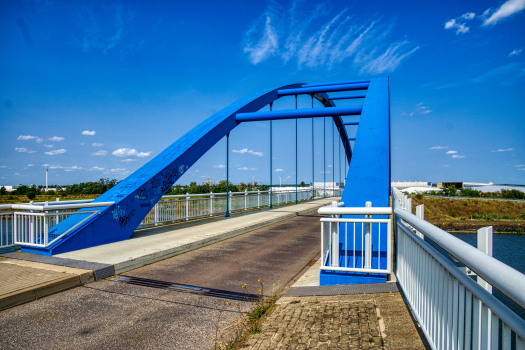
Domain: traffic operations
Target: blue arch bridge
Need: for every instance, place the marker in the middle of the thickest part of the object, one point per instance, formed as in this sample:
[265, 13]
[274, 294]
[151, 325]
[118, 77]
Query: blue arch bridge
[364, 238]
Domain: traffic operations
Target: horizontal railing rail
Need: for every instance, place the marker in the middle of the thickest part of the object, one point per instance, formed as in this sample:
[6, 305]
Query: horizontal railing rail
[452, 309]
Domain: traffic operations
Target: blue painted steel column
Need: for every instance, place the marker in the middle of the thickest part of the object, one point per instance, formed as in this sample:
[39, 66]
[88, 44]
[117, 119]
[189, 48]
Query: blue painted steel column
[227, 175]
[333, 159]
[324, 157]
[339, 163]
[313, 174]
[271, 158]
[296, 152]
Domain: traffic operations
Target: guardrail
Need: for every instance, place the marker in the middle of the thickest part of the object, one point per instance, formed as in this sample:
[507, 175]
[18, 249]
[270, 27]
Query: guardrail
[39, 223]
[349, 248]
[452, 309]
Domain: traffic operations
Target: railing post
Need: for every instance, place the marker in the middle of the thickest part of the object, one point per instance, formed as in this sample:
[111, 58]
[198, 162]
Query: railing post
[245, 198]
[368, 240]
[46, 224]
[211, 203]
[420, 213]
[156, 214]
[485, 245]
[258, 198]
[334, 231]
[187, 206]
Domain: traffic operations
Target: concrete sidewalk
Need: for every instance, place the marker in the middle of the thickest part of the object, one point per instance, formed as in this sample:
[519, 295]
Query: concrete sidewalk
[147, 246]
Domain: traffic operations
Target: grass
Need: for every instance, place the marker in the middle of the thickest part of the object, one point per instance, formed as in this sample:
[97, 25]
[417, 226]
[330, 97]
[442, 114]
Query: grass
[10, 199]
[469, 209]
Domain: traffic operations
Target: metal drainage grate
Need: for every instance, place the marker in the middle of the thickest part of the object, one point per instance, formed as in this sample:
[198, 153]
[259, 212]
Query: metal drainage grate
[216, 293]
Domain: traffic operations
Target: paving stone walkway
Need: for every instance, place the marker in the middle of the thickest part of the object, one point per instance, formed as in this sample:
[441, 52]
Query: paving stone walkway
[338, 322]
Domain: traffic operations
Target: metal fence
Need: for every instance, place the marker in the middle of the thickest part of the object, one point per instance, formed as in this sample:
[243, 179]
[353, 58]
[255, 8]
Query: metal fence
[180, 207]
[453, 310]
[347, 243]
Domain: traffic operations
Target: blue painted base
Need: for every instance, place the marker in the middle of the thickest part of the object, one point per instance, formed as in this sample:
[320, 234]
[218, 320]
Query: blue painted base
[334, 278]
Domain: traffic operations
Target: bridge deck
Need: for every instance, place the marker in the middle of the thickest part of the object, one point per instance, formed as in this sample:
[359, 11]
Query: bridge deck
[154, 244]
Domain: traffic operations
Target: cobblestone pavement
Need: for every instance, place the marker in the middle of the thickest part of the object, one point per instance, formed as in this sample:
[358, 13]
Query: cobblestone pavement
[338, 322]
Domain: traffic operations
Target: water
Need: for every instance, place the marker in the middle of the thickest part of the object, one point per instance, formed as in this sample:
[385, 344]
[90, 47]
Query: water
[507, 248]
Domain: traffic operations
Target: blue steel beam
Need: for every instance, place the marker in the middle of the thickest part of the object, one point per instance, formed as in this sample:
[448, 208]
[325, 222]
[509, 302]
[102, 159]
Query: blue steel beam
[351, 139]
[338, 83]
[298, 113]
[351, 123]
[347, 97]
[316, 89]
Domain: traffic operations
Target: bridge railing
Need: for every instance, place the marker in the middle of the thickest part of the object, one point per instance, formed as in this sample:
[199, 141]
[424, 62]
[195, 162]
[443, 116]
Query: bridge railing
[453, 310]
[180, 207]
[347, 243]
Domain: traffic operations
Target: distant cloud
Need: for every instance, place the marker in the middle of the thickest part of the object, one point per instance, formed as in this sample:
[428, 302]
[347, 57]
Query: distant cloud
[245, 150]
[220, 166]
[457, 156]
[96, 168]
[507, 71]
[88, 133]
[128, 160]
[515, 52]
[97, 144]
[292, 34]
[504, 150]
[509, 8]
[461, 27]
[100, 153]
[27, 137]
[130, 152]
[65, 168]
[56, 138]
[49, 146]
[452, 152]
[245, 168]
[517, 166]
[279, 170]
[24, 150]
[3, 166]
[522, 169]
[444, 166]
[55, 152]
[422, 109]
[439, 147]
[30, 165]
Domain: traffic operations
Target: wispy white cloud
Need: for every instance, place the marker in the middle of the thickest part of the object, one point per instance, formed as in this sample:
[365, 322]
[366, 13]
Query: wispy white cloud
[295, 34]
[55, 152]
[279, 170]
[130, 152]
[96, 168]
[65, 168]
[220, 166]
[452, 152]
[522, 169]
[455, 23]
[245, 168]
[507, 9]
[49, 146]
[245, 150]
[56, 138]
[27, 137]
[515, 52]
[439, 147]
[508, 71]
[3, 166]
[457, 156]
[39, 140]
[504, 150]
[30, 165]
[97, 144]
[128, 160]
[100, 153]
[519, 166]
[88, 133]
[24, 150]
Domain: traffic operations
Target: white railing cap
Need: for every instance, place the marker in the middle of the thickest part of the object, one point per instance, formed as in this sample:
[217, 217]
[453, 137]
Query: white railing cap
[58, 207]
[355, 211]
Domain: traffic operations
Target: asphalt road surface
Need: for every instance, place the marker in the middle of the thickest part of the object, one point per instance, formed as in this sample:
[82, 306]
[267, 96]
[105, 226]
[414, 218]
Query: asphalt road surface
[109, 314]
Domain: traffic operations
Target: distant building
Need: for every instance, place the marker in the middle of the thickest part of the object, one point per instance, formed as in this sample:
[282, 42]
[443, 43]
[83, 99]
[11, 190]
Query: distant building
[462, 184]
[10, 188]
[336, 185]
[406, 184]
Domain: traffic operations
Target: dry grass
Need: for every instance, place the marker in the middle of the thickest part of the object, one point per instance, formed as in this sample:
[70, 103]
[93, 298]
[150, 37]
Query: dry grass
[462, 209]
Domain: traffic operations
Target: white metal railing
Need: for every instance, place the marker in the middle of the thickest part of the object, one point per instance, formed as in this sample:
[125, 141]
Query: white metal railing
[453, 310]
[329, 192]
[180, 207]
[347, 243]
[6, 230]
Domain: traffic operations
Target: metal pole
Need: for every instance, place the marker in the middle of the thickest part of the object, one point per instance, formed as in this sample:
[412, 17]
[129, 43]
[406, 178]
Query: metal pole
[324, 157]
[313, 175]
[227, 176]
[295, 152]
[333, 160]
[340, 165]
[271, 159]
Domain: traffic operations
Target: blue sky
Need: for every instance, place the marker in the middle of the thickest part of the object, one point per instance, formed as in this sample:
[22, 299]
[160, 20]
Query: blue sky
[97, 89]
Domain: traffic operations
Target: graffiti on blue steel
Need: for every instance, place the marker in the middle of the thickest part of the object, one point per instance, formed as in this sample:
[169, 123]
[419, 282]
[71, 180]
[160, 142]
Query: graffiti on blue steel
[126, 189]
[162, 183]
[142, 194]
[123, 216]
